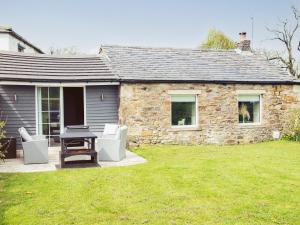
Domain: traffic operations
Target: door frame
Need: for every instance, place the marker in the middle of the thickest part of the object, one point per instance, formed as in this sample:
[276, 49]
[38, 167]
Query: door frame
[61, 105]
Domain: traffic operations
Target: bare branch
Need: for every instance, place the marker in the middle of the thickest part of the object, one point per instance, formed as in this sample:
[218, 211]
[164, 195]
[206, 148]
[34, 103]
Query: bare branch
[296, 14]
[285, 34]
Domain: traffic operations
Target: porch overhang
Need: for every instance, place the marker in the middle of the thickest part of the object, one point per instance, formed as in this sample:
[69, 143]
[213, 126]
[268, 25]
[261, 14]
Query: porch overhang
[59, 84]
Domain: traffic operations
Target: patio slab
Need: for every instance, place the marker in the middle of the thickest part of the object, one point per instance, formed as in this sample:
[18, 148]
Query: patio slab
[17, 165]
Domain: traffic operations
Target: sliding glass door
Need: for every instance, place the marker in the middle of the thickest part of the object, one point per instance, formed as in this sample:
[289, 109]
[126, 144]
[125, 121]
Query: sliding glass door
[49, 113]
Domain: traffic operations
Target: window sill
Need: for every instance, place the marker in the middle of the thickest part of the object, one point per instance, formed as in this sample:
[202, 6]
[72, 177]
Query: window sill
[184, 128]
[247, 125]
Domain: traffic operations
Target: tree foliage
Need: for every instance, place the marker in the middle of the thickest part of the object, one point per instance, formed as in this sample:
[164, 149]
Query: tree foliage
[292, 129]
[218, 40]
[2, 135]
[285, 33]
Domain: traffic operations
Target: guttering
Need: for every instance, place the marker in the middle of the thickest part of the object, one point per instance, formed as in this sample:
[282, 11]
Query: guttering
[290, 82]
[118, 81]
[60, 84]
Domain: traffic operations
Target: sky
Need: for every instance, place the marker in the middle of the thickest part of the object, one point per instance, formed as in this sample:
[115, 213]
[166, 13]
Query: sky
[86, 24]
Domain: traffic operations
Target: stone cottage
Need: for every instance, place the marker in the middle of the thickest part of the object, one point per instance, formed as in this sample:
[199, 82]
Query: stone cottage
[200, 96]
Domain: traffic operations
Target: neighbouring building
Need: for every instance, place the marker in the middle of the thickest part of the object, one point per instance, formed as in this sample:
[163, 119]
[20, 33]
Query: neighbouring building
[12, 41]
[163, 95]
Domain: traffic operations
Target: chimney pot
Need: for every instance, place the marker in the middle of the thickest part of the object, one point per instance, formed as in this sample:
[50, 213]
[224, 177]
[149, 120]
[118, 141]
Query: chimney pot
[244, 44]
[243, 36]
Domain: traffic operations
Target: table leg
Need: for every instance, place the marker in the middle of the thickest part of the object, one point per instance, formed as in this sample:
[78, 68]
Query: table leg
[93, 144]
[61, 157]
[94, 158]
[61, 144]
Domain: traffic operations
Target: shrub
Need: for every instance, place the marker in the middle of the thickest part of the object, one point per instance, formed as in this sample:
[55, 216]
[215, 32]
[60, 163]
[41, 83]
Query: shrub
[292, 130]
[2, 135]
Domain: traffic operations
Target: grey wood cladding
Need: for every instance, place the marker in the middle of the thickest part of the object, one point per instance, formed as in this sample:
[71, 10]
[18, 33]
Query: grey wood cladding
[101, 110]
[19, 113]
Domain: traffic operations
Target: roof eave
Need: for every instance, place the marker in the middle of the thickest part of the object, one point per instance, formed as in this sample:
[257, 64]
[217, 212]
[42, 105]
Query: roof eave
[209, 81]
[61, 80]
[153, 81]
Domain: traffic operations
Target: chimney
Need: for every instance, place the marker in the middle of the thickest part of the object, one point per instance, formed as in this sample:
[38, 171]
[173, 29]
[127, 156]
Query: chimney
[244, 44]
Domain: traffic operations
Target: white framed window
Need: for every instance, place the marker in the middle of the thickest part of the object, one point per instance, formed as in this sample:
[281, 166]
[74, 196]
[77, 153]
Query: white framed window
[183, 110]
[249, 107]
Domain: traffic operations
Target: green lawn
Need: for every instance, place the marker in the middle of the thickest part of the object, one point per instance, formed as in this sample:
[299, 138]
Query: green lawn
[245, 184]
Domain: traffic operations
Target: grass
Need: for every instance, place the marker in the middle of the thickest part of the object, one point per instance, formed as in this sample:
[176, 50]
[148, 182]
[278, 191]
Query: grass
[245, 184]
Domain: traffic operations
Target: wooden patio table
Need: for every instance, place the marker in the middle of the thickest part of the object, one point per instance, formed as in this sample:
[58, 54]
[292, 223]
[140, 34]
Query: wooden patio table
[69, 139]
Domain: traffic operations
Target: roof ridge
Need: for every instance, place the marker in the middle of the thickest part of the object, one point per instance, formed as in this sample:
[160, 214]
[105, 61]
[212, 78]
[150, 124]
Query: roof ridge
[3, 52]
[166, 48]
[106, 59]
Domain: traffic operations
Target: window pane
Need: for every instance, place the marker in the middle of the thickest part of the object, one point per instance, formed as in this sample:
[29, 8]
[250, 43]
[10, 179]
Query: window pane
[54, 92]
[45, 128]
[54, 105]
[256, 112]
[45, 117]
[54, 129]
[44, 92]
[183, 113]
[45, 105]
[249, 112]
[54, 117]
[248, 98]
[183, 98]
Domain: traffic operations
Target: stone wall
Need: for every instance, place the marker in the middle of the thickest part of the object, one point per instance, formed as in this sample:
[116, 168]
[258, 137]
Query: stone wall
[146, 110]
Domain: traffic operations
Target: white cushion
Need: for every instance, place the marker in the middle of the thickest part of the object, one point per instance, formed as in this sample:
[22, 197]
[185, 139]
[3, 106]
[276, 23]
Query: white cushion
[24, 134]
[109, 136]
[110, 129]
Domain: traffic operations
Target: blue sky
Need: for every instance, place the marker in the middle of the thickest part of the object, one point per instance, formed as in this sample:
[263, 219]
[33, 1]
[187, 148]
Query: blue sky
[87, 24]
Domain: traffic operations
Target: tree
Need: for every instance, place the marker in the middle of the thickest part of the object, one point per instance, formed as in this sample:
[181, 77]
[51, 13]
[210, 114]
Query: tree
[72, 50]
[218, 40]
[285, 34]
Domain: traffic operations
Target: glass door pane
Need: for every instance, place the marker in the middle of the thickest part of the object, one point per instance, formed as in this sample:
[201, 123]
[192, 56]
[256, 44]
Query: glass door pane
[49, 113]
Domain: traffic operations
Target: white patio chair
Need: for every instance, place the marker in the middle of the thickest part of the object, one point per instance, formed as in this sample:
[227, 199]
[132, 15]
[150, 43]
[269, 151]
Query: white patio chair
[35, 148]
[110, 130]
[113, 147]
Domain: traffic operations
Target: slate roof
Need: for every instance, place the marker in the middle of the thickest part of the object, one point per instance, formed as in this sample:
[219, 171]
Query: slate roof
[139, 64]
[9, 30]
[40, 67]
